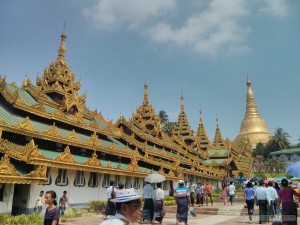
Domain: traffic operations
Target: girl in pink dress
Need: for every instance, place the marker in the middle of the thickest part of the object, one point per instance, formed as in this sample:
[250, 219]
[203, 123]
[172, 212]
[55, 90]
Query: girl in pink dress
[224, 192]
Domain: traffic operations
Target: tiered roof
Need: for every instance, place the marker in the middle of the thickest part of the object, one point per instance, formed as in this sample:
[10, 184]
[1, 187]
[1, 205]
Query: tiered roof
[182, 129]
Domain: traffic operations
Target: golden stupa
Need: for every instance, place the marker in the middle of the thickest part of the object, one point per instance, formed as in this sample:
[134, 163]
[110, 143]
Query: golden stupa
[253, 126]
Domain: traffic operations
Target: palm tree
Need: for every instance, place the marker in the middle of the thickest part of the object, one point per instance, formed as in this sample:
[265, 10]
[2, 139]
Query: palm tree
[164, 118]
[280, 139]
[168, 127]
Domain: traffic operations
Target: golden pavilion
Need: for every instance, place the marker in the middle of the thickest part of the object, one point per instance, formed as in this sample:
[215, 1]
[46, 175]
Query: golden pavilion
[50, 140]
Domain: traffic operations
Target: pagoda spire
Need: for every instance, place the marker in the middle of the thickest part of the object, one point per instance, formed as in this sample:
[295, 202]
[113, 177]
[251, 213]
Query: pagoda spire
[182, 129]
[253, 126]
[201, 136]
[145, 102]
[62, 46]
[181, 103]
[218, 141]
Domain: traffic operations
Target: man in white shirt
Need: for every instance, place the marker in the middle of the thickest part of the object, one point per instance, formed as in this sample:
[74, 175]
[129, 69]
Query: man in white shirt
[40, 202]
[110, 206]
[273, 198]
[262, 200]
[231, 190]
[128, 205]
[149, 196]
[192, 190]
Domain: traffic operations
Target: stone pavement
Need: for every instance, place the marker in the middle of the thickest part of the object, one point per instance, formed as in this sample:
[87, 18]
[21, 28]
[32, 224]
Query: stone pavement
[226, 215]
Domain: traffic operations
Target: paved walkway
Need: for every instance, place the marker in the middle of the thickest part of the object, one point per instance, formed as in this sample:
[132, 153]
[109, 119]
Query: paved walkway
[227, 215]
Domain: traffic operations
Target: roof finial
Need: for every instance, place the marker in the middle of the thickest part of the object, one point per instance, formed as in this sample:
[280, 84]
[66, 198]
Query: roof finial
[248, 82]
[217, 121]
[62, 47]
[182, 102]
[145, 102]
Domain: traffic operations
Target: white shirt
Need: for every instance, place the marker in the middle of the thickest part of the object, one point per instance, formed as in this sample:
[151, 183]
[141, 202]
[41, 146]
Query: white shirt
[262, 194]
[148, 191]
[272, 193]
[40, 200]
[231, 189]
[109, 191]
[117, 219]
[159, 195]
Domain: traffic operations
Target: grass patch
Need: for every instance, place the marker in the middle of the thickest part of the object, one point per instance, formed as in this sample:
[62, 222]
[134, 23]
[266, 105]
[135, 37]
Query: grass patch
[32, 219]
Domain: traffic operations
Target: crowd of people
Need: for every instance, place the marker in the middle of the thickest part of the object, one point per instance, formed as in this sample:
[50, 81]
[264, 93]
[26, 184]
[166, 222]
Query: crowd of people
[124, 206]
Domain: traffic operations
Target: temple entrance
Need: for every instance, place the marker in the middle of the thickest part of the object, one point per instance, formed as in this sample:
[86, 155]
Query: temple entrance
[20, 199]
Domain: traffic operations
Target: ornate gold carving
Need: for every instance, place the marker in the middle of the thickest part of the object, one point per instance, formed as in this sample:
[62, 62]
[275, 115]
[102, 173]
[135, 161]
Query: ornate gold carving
[93, 140]
[26, 125]
[58, 113]
[78, 118]
[113, 146]
[33, 151]
[6, 168]
[41, 171]
[73, 136]
[39, 107]
[109, 165]
[94, 161]
[52, 131]
[66, 156]
[133, 166]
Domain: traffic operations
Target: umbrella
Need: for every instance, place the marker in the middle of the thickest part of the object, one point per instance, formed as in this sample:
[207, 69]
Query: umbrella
[155, 178]
[293, 169]
[255, 179]
[241, 179]
[295, 178]
[266, 181]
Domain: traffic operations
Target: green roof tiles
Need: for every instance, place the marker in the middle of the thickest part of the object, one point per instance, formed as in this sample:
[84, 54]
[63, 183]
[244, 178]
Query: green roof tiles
[26, 97]
[100, 123]
[49, 109]
[49, 154]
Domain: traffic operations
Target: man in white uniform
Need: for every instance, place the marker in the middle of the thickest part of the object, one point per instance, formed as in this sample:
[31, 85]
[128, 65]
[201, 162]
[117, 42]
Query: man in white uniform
[231, 190]
[128, 205]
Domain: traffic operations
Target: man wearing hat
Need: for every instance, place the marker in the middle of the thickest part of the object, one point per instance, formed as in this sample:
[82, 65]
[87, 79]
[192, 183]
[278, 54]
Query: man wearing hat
[128, 206]
[262, 200]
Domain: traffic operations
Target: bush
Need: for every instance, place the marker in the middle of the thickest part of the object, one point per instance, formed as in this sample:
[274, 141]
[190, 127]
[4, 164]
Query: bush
[170, 202]
[33, 219]
[72, 213]
[97, 205]
[166, 198]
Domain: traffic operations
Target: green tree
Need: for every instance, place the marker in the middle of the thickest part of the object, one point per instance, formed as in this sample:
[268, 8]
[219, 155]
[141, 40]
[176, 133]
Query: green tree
[275, 165]
[168, 127]
[280, 139]
[164, 118]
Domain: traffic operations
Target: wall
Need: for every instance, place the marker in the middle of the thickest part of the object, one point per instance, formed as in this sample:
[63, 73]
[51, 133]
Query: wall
[6, 204]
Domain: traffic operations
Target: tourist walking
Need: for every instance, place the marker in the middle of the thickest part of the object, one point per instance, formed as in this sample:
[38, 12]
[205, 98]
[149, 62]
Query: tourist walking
[110, 206]
[231, 191]
[63, 200]
[192, 190]
[208, 193]
[249, 199]
[39, 203]
[199, 194]
[159, 211]
[273, 198]
[224, 192]
[52, 212]
[262, 200]
[128, 208]
[182, 198]
[148, 209]
[285, 198]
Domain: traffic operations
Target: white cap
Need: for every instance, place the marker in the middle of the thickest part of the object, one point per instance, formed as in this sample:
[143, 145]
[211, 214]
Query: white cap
[126, 195]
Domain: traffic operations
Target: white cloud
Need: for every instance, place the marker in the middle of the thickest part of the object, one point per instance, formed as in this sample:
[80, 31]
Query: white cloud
[208, 27]
[112, 14]
[208, 31]
[275, 7]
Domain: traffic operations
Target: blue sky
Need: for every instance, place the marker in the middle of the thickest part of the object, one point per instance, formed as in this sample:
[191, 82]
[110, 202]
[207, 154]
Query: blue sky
[204, 48]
